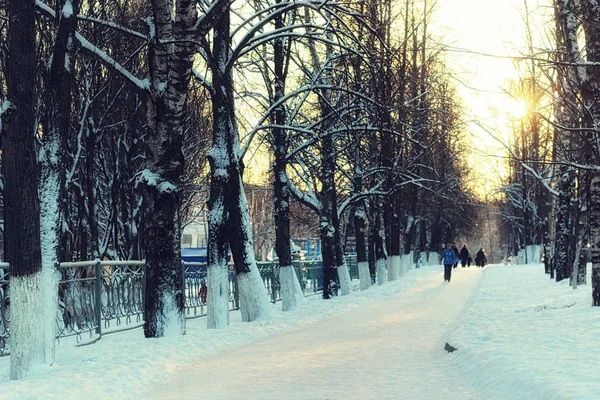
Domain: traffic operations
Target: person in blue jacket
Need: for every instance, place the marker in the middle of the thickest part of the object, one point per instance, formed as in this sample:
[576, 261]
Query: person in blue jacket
[448, 258]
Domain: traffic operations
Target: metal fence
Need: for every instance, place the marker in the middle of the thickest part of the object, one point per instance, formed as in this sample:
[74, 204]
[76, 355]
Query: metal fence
[99, 297]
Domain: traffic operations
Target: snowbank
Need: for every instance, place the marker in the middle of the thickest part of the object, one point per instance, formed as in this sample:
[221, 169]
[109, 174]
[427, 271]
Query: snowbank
[527, 337]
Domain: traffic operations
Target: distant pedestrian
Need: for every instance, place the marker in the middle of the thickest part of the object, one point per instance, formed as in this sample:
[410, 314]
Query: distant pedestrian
[469, 261]
[456, 252]
[448, 258]
[480, 259]
[203, 292]
[464, 255]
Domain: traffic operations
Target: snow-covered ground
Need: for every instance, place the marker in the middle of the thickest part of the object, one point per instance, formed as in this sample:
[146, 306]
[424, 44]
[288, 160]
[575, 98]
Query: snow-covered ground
[124, 365]
[392, 349]
[514, 338]
[526, 337]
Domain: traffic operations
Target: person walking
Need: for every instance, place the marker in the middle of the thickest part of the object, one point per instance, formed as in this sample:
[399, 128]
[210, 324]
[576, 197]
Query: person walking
[456, 253]
[448, 258]
[464, 255]
[480, 259]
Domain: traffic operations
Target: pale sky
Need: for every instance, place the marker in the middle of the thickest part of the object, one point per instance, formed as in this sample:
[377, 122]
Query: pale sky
[492, 27]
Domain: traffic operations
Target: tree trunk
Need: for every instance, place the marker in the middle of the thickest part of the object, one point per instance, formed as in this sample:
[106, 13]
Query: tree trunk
[170, 70]
[328, 229]
[291, 292]
[590, 12]
[361, 249]
[341, 266]
[52, 180]
[566, 28]
[380, 256]
[229, 216]
[21, 206]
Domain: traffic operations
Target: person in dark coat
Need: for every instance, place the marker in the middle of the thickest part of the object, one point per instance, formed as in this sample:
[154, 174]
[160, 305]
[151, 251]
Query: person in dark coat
[480, 259]
[456, 253]
[448, 258]
[464, 255]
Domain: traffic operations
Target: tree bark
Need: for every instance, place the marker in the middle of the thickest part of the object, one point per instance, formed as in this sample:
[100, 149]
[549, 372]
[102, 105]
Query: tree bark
[229, 216]
[590, 12]
[21, 202]
[53, 167]
[291, 292]
[170, 70]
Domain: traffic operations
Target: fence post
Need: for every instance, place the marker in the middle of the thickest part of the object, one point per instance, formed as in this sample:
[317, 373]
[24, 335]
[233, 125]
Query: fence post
[98, 281]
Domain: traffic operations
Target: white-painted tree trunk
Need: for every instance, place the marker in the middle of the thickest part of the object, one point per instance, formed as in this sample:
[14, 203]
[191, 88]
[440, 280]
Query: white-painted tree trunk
[381, 271]
[254, 303]
[345, 280]
[49, 242]
[396, 266]
[405, 262]
[392, 272]
[217, 307]
[298, 290]
[364, 275]
[424, 259]
[173, 321]
[289, 295]
[27, 333]
[50, 292]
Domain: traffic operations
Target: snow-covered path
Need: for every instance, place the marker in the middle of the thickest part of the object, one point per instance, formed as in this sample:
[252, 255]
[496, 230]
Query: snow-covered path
[393, 349]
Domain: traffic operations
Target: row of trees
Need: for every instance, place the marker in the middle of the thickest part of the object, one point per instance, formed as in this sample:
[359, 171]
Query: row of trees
[125, 115]
[553, 193]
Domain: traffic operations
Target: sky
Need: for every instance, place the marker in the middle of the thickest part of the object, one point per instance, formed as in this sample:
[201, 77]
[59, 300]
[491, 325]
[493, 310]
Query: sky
[491, 27]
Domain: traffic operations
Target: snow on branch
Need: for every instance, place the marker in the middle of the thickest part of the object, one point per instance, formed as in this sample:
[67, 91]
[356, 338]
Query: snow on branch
[6, 105]
[305, 198]
[141, 85]
[211, 16]
[203, 81]
[153, 179]
[113, 26]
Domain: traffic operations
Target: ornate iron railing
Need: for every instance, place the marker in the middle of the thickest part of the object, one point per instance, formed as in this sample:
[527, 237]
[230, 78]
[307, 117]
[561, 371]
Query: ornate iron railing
[96, 297]
[196, 290]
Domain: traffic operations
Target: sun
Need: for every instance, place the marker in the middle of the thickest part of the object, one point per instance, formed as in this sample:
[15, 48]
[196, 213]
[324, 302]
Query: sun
[516, 108]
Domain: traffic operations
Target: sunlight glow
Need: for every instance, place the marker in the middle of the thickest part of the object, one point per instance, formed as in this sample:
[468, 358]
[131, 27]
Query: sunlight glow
[517, 108]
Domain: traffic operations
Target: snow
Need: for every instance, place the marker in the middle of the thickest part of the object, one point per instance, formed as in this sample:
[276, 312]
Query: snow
[67, 10]
[124, 365]
[154, 179]
[348, 355]
[529, 337]
[4, 107]
[518, 334]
